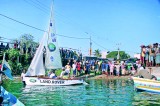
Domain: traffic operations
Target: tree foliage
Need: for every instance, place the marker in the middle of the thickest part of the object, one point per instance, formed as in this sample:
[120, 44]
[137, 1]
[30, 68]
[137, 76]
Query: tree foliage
[12, 55]
[27, 39]
[18, 60]
[114, 54]
[97, 53]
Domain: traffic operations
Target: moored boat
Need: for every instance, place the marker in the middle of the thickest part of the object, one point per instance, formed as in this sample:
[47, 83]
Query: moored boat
[146, 84]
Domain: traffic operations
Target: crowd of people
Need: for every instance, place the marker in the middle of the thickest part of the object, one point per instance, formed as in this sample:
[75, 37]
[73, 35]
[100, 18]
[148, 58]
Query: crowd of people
[150, 55]
[66, 54]
[69, 54]
[109, 68]
[4, 47]
[72, 61]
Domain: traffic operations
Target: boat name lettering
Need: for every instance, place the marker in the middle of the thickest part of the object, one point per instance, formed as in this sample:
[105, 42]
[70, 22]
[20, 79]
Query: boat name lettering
[53, 82]
[58, 82]
[45, 81]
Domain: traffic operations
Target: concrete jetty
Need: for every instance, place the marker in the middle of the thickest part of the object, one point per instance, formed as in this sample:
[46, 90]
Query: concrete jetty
[154, 71]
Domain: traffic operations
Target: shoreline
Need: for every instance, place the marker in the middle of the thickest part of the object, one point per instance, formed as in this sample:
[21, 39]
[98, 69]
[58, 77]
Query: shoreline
[103, 76]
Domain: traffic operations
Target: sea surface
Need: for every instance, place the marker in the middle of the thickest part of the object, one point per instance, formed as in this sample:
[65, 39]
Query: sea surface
[96, 93]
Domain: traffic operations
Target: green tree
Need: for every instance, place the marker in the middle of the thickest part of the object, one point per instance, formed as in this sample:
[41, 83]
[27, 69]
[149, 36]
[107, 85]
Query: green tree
[13, 60]
[16, 59]
[97, 53]
[114, 54]
[27, 39]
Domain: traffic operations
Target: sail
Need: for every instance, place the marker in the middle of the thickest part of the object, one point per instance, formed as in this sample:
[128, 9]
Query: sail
[37, 66]
[53, 59]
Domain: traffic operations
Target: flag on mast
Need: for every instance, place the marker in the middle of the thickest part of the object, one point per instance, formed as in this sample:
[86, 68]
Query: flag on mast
[6, 68]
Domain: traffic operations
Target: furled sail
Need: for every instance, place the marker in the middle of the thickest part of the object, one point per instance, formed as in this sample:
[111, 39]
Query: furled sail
[53, 59]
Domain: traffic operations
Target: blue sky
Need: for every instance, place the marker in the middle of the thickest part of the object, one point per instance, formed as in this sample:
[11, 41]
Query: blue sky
[129, 23]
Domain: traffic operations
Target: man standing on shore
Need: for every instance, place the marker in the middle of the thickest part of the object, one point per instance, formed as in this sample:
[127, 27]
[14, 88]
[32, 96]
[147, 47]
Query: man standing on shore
[22, 76]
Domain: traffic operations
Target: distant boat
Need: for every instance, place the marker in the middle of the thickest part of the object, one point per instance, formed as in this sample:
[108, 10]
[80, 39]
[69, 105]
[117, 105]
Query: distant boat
[38, 66]
[146, 85]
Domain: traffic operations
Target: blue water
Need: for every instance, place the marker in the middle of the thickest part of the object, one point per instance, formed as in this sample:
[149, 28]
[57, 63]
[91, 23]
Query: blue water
[97, 93]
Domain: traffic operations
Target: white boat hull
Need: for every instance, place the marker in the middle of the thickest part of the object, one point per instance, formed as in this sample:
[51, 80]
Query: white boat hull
[52, 82]
[146, 84]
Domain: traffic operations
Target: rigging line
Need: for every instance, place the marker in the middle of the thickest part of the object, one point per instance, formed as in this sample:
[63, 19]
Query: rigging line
[5, 38]
[45, 11]
[38, 5]
[56, 12]
[42, 5]
[23, 23]
[110, 49]
[38, 28]
[98, 45]
[10, 28]
[47, 8]
[71, 37]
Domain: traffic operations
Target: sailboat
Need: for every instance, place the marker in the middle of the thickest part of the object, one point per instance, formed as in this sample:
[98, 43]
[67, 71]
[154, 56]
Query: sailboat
[52, 60]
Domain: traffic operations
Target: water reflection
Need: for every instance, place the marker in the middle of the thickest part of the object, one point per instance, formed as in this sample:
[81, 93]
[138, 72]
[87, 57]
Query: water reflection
[98, 92]
[146, 99]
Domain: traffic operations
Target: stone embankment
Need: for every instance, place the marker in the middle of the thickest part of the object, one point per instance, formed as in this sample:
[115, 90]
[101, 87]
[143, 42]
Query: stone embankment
[154, 71]
[103, 76]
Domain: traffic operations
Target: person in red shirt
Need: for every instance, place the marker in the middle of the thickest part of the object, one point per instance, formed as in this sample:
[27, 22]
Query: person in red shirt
[78, 66]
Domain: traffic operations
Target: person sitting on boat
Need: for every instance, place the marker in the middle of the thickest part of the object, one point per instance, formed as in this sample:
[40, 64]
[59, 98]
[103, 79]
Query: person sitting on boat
[49, 73]
[64, 73]
[143, 73]
[52, 75]
[67, 69]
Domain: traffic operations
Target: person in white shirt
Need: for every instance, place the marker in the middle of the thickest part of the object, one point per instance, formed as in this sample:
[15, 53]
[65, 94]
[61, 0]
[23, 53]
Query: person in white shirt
[22, 76]
[65, 72]
[117, 69]
[52, 75]
[74, 69]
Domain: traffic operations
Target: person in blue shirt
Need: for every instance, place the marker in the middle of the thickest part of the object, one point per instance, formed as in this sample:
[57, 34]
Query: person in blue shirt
[53, 75]
[107, 66]
[88, 67]
[103, 66]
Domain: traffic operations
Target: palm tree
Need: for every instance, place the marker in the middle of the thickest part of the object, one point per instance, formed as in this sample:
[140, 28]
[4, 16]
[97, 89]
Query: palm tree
[97, 53]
